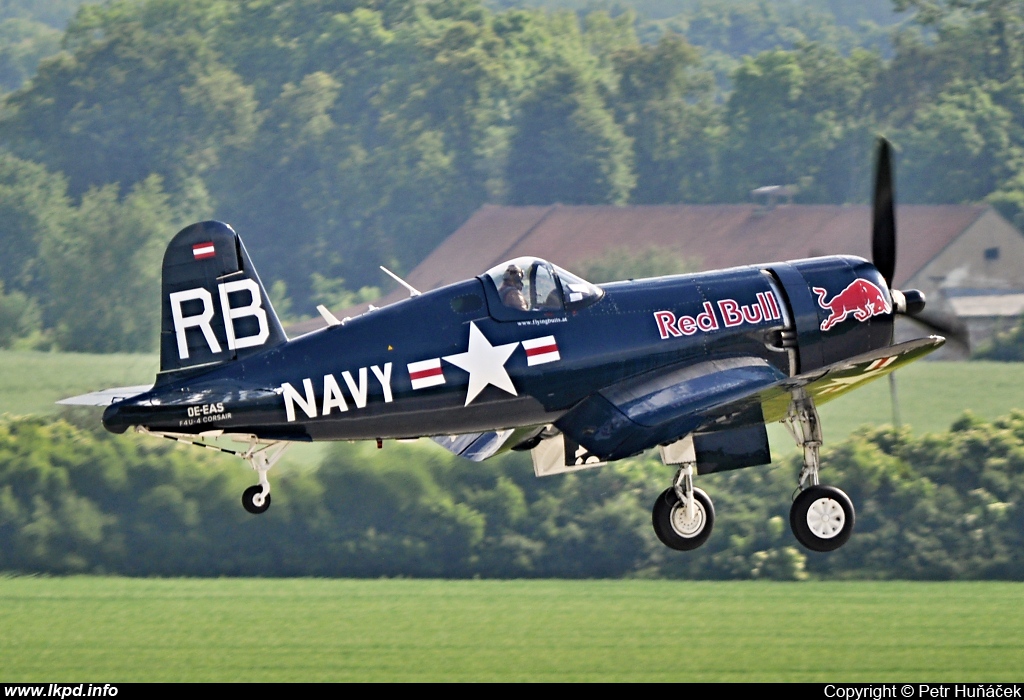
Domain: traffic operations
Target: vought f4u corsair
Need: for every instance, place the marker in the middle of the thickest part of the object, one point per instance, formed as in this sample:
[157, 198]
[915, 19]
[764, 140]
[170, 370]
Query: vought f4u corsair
[530, 357]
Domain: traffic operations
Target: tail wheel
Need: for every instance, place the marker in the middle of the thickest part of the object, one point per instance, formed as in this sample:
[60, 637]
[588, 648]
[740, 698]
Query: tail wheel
[822, 518]
[675, 527]
[251, 496]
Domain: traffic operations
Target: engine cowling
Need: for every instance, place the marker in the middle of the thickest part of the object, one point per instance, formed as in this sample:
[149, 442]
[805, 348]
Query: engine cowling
[841, 306]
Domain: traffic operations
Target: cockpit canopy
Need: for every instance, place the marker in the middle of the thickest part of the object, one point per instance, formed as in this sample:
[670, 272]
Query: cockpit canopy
[533, 285]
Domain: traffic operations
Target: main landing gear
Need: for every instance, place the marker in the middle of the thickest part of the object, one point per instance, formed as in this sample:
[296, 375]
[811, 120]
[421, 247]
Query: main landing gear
[821, 517]
[683, 516]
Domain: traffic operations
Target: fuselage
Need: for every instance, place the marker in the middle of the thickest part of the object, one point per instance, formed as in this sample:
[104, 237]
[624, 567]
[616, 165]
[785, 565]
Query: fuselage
[459, 360]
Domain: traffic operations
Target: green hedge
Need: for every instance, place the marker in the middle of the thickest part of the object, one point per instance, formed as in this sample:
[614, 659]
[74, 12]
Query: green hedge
[76, 499]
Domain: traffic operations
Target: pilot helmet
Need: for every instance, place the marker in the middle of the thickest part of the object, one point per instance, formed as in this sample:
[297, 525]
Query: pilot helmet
[513, 274]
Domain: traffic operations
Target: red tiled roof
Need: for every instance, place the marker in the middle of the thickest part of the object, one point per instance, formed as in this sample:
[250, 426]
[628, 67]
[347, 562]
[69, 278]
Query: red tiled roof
[483, 241]
[713, 236]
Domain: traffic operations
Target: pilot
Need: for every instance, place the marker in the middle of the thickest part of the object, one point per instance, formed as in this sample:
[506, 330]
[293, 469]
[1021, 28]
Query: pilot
[511, 290]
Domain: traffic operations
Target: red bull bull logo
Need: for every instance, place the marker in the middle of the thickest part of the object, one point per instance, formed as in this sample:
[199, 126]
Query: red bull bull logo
[861, 298]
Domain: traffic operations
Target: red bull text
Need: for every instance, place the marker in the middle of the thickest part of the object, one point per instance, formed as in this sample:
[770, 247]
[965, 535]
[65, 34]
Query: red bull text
[732, 313]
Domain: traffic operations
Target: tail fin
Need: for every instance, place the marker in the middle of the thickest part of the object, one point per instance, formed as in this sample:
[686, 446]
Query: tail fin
[214, 306]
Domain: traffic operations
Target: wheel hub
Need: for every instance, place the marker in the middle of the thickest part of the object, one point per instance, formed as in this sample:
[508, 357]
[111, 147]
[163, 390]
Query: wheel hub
[826, 518]
[688, 527]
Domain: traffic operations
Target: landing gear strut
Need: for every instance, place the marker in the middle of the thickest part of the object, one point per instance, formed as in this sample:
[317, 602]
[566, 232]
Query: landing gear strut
[256, 499]
[821, 517]
[683, 516]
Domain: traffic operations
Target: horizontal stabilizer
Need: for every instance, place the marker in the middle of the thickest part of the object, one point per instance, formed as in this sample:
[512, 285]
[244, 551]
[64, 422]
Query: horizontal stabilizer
[106, 396]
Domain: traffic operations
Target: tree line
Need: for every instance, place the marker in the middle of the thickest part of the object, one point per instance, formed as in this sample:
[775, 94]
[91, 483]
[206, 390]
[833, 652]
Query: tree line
[336, 135]
[74, 499]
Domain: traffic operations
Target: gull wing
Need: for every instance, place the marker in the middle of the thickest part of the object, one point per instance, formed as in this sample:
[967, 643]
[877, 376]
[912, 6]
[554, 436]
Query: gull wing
[716, 395]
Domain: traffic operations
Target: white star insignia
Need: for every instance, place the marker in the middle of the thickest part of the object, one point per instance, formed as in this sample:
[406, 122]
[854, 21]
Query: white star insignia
[485, 364]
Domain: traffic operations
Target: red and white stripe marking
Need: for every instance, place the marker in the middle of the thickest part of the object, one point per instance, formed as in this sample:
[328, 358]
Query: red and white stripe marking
[540, 351]
[202, 251]
[881, 363]
[426, 373]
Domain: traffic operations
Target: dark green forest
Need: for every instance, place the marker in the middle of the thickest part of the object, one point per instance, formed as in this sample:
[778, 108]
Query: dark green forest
[78, 500]
[336, 135]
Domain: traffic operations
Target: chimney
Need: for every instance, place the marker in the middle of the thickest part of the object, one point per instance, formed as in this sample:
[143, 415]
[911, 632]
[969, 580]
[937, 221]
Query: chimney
[768, 196]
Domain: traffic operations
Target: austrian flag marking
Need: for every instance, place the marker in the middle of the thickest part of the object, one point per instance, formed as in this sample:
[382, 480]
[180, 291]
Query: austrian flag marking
[426, 373]
[540, 351]
[202, 251]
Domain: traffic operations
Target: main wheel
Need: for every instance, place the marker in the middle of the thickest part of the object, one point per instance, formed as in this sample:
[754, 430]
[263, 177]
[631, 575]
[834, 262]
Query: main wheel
[248, 500]
[672, 526]
[822, 518]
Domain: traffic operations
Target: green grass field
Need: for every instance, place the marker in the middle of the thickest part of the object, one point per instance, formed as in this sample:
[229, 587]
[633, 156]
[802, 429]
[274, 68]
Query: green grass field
[111, 630]
[30, 382]
[931, 396]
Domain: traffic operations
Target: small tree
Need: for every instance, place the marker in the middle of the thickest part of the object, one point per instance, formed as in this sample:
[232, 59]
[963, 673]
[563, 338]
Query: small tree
[1004, 347]
[103, 272]
[626, 263]
[567, 147]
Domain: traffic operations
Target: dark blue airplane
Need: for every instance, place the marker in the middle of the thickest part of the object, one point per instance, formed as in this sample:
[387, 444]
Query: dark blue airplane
[530, 357]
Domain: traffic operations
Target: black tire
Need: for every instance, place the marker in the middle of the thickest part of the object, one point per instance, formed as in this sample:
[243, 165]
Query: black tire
[669, 526]
[248, 504]
[822, 518]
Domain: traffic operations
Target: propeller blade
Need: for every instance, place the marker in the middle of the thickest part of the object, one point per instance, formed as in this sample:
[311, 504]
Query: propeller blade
[947, 325]
[883, 232]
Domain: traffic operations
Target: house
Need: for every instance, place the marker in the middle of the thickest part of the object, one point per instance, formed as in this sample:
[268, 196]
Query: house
[967, 259]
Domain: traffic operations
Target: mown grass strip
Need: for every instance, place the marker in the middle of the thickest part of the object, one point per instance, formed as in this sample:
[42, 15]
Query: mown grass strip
[111, 629]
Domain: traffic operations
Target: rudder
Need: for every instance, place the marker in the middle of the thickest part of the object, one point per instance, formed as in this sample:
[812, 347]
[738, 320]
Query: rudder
[214, 307]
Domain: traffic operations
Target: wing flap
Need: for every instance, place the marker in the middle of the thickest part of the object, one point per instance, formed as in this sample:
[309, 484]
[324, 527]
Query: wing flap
[475, 446]
[560, 455]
